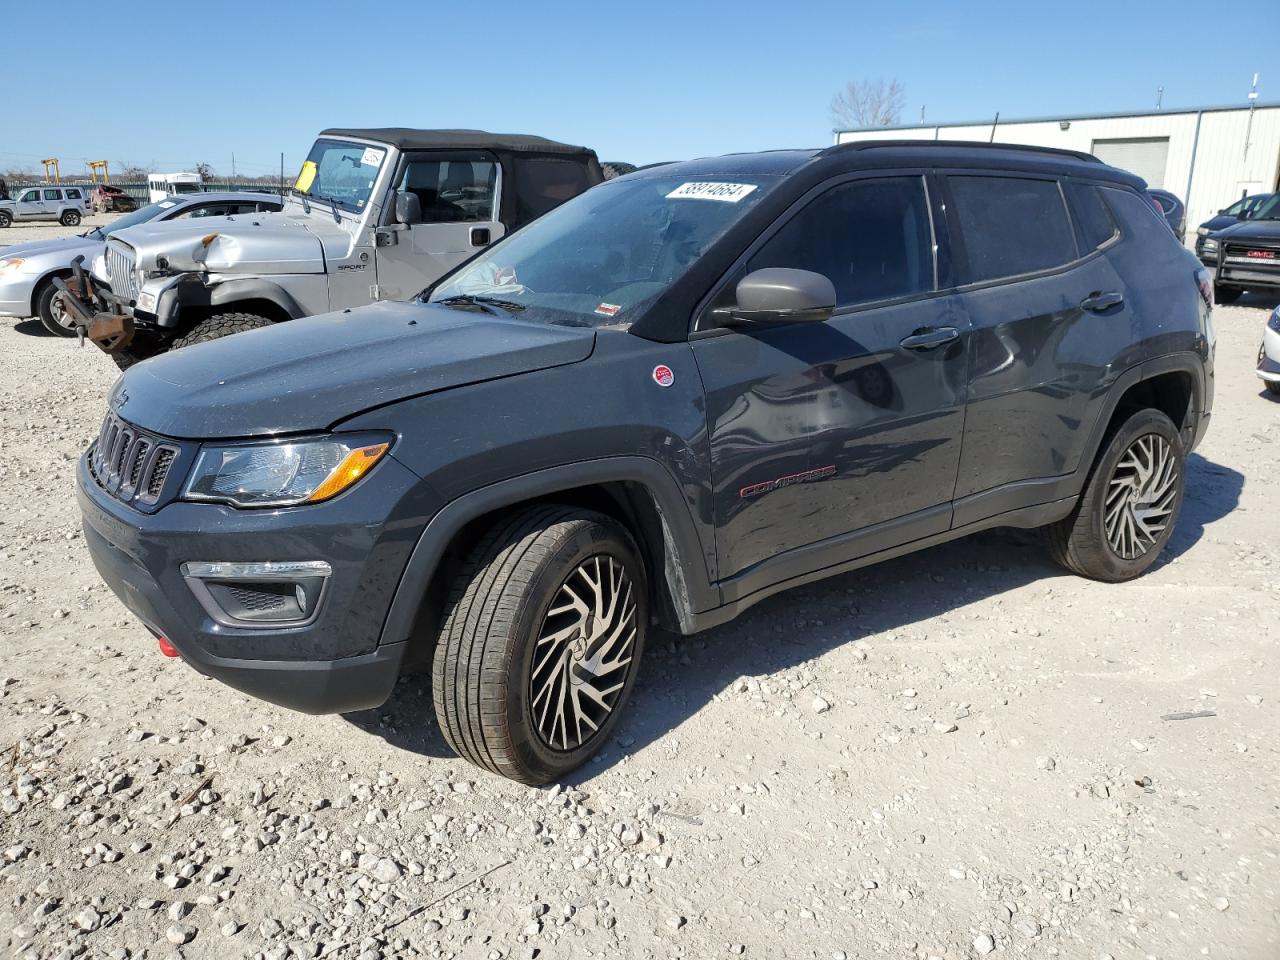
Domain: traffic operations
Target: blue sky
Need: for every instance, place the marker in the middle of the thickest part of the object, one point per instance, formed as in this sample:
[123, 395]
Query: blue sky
[639, 81]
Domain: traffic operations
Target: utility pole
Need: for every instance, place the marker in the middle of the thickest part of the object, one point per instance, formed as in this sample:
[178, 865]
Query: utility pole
[922, 114]
[1159, 98]
[233, 165]
[282, 173]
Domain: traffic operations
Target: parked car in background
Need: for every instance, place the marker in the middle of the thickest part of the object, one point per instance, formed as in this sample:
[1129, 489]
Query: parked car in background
[373, 215]
[1248, 254]
[109, 199]
[672, 397]
[1242, 209]
[65, 204]
[27, 270]
[1269, 354]
[1173, 210]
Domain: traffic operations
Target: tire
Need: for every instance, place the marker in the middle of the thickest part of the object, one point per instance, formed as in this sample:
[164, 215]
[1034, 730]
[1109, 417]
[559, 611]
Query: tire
[6, 219]
[616, 168]
[1273, 387]
[1080, 541]
[70, 218]
[513, 589]
[1225, 295]
[50, 312]
[218, 326]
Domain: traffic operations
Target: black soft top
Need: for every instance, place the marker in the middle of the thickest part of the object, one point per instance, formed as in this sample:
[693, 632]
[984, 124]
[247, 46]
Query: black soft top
[405, 138]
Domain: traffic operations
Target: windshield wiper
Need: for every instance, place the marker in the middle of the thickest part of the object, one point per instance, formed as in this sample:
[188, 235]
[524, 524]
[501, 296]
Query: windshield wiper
[333, 206]
[470, 299]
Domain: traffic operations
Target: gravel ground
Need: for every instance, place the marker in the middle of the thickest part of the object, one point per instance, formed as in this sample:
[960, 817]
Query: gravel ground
[959, 753]
[42, 230]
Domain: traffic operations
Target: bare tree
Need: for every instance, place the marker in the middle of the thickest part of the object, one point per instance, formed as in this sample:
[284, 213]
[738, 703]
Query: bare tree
[868, 103]
[205, 171]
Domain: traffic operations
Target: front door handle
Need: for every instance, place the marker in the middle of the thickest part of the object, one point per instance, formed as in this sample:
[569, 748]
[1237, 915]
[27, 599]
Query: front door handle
[930, 338]
[1097, 302]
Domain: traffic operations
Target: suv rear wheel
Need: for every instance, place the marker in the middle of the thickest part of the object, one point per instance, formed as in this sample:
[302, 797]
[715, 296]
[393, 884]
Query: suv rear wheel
[1130, 505]
[70, 218]
[6, 219]
[221, 325]
[542, 635]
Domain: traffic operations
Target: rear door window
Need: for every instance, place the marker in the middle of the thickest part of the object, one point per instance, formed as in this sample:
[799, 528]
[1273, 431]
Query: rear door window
[53, 194]
[1011, 226]
[871, 238]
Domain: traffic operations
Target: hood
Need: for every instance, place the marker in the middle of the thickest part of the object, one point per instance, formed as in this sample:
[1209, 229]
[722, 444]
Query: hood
[1268, 230]
[309, 374]
[257, 243]
[1220, 222]
[65, 248]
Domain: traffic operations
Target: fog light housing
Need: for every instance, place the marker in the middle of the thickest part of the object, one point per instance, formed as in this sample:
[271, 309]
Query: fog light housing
[270, 593]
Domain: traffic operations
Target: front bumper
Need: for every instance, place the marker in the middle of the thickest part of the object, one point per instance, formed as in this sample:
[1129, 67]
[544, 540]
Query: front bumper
[338, 662]
[15, 297]
[1269, 356]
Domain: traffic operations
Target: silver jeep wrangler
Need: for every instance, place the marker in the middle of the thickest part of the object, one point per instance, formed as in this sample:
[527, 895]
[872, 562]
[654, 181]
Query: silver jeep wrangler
[376, 214]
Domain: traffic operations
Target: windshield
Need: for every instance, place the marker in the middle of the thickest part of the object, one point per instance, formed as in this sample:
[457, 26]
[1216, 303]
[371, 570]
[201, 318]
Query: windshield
[601, 258]
[141, 215]
[340, 172]
[1270, 210]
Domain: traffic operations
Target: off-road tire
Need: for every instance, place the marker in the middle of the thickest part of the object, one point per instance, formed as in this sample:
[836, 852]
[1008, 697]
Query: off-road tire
[616, 168]
[220, 325]
[1224, 295]
[483, 662]
[6, 219]
[70, 218]
[1079, 542]
[44, 310]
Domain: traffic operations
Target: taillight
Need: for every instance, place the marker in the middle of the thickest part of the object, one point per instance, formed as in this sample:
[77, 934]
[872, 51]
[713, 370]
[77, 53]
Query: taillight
[1204, 280]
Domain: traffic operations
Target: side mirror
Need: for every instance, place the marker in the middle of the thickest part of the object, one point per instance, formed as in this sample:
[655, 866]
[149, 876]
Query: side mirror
[408, 208]
[780, 295]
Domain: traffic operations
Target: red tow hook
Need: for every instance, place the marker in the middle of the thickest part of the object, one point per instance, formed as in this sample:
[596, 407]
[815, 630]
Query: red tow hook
[167, 648]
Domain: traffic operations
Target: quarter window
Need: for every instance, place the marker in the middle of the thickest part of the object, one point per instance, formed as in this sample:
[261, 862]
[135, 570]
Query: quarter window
[871, 239]
[73, 194]
[1094, 223]
[1011, 225]
[543, 184]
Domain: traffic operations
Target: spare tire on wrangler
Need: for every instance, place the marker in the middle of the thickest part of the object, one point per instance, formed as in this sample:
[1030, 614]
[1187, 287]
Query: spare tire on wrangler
[616, 168]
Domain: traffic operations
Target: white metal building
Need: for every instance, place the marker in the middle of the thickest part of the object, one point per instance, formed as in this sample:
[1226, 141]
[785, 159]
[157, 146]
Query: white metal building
[1208, 156]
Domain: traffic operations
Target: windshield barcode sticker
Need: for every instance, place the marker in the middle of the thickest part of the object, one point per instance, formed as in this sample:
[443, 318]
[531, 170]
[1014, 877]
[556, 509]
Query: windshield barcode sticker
[728, 192]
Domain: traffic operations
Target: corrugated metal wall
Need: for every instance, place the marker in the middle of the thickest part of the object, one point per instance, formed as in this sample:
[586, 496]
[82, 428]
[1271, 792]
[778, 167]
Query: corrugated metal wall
[1223, 168]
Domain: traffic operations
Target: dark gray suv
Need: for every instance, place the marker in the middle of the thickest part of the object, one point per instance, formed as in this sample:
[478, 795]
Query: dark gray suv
[675, 395]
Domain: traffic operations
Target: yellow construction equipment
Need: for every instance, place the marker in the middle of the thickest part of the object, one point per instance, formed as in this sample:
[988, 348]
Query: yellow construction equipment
[99, 166]
[51, 165]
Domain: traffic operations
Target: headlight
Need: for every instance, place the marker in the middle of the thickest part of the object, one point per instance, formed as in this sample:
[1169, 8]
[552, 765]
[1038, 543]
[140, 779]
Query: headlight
[1202, 231]
[1209, 246]
[283, 474]
[11, 264]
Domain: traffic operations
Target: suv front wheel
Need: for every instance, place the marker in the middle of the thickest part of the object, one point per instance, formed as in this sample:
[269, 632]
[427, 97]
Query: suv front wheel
[1130, 505]
[542, 634]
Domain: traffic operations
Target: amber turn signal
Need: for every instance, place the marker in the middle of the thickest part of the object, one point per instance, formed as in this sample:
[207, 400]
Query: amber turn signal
[353, 466]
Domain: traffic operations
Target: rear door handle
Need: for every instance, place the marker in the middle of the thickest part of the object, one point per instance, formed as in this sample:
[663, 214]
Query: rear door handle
[930, 339]
[1101, 301]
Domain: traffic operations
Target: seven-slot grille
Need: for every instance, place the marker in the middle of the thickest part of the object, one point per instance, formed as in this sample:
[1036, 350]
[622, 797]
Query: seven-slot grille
[121, 268]
[130, 464]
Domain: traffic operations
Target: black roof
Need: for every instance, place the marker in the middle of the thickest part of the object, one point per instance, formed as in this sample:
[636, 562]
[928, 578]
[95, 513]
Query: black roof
[917, 153]
[407, 139]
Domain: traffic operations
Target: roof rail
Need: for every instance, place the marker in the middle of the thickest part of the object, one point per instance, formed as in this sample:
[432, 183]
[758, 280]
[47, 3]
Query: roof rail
[978, 144]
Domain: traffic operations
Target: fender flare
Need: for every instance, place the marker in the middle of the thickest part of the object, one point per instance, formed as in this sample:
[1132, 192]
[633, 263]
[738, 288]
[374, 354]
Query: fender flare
[189, 292]
[686, 579]
[1182, 362]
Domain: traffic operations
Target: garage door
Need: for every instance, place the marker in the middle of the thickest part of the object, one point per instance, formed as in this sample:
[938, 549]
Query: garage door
[1145, 156]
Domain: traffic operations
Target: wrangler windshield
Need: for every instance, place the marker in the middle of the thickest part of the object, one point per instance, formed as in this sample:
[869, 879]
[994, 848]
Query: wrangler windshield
[340, 172]
[601, 258]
